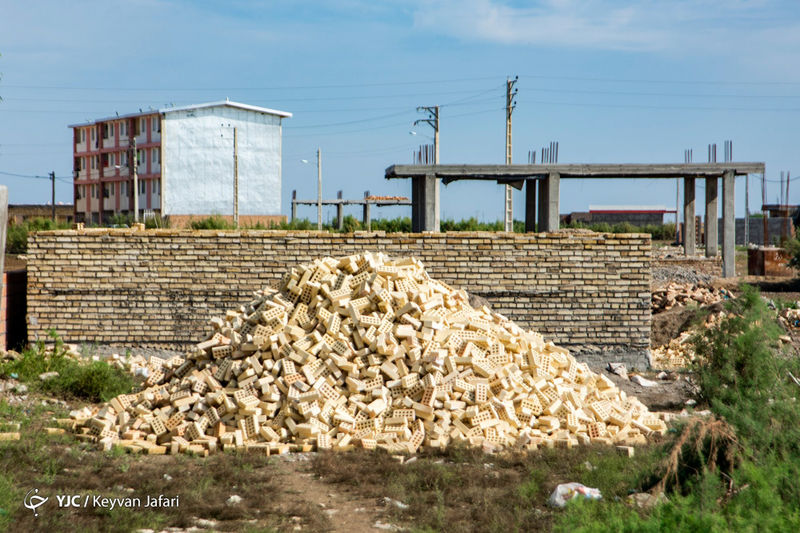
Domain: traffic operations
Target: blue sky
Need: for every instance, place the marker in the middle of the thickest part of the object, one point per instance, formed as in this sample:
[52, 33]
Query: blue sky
[610, 81]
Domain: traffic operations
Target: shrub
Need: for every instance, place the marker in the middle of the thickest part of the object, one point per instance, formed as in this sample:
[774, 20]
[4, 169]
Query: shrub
[212, 222]
[94, 381]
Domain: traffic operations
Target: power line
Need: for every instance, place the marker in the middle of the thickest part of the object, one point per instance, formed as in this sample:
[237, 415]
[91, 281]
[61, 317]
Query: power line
[29, 176]
[686, 108]
[667, 82]
[274, 88]
[639, 93]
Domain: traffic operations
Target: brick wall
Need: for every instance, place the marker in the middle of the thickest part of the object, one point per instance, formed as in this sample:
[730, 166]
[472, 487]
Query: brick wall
[159, 288]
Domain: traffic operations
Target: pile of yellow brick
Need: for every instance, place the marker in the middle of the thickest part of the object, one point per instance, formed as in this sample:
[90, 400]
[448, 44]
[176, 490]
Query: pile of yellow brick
[680, 294]
[367, 352]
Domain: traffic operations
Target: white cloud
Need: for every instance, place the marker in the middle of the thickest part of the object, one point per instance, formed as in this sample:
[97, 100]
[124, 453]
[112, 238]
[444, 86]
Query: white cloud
[677, 26]
[589, 23]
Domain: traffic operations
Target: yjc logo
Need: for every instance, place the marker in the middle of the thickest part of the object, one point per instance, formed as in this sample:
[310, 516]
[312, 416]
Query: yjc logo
[33, 502]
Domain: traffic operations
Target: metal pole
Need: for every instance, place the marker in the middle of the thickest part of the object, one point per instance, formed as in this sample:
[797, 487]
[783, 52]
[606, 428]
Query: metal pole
[53, 181]
[319, 189]
[509, 196]
[135, 183]
[235, 179]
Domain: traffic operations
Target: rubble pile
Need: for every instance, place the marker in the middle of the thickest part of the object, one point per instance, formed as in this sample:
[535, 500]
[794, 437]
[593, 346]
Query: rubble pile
[790, 318]
[366, 352]
[679, 353]
[683, 293]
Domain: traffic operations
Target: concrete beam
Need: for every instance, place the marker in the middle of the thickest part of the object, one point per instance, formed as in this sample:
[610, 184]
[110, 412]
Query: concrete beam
[495, 172]
[530, 206]
[423, 204]
[689, 230]
[712, 237]
[728, 226]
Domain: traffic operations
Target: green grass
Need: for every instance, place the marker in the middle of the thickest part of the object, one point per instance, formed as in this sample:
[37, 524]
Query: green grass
[89, 380]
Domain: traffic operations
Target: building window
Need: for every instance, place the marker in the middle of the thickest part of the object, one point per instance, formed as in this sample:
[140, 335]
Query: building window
[141, 187]
[155, 155]
[93, 134]
[113, 159]
[94, 191]
[105, 131]
[78, 192]
[122, 129]
[112, 189]
[105, 159]
[123, 188]
[142, 125]
[156, 186]
[105, 190]
[156, 124]
[83, 135]
[140, 157]
[123, 159]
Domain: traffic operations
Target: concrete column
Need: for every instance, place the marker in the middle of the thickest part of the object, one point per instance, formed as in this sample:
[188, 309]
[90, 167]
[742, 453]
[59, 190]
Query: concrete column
[689, 231]
[549, 203]
[423, 203]
[366, 223]
[530, 206]
[728, 226]
[367, 219]
[339, 212]
[712, 239]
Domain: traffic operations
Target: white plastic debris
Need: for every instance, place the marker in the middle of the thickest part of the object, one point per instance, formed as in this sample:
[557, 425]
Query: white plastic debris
[644, 382]
[569, 491]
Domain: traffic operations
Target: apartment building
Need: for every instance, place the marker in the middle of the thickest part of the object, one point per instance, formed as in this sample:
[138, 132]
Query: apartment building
[185, 163]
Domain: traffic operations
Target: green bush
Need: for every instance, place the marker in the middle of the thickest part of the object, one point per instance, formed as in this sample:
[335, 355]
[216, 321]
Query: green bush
[212, 222]
[17, 234]
[745, 379]
[94, 381]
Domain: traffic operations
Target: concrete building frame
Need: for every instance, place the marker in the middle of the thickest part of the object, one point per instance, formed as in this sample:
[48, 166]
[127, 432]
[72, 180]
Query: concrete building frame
[548, 178]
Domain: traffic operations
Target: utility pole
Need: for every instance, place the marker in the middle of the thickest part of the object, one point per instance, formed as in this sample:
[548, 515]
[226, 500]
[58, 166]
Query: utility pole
[511, 93]
[235, 180]
[53, 182]
[433, 121]
[135, 183]
[319, 189]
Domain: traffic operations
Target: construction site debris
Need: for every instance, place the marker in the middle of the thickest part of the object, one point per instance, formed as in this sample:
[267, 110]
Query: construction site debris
[679, 353]
[683, 293]
[373, 198]
[790, 318]
[569, 491]
[368, 352]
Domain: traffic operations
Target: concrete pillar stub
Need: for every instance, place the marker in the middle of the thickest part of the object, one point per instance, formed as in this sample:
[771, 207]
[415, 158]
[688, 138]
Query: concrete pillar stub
[712, 237]
[689, 230]
[728, 225]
